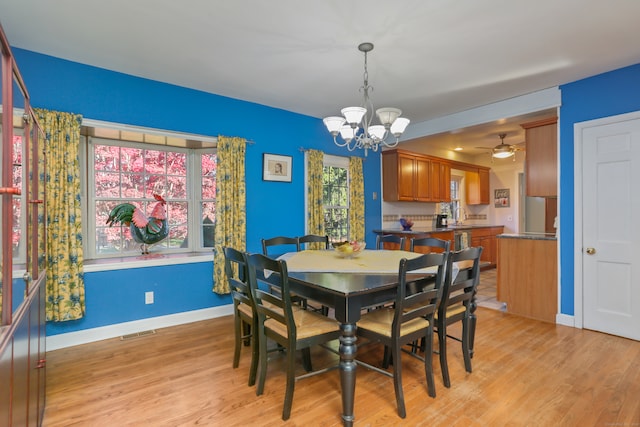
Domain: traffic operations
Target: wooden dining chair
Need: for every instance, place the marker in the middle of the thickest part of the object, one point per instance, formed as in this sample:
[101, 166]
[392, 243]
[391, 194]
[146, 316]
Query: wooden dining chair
[409, 320]
[286, 244]
[279, 321]
[429, 244]
[389, 238]
[458, 306]
[244, 314]
[321, 242]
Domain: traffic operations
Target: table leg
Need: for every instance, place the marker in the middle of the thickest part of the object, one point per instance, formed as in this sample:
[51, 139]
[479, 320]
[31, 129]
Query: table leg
[348, 350]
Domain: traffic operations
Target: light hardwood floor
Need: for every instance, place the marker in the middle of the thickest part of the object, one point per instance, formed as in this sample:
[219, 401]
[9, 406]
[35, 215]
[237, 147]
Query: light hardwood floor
[525, 373]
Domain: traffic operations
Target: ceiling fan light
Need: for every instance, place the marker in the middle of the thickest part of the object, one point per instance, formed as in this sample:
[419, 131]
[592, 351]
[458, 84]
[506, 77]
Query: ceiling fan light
[354, 115]
[502, 153]
[388, 115]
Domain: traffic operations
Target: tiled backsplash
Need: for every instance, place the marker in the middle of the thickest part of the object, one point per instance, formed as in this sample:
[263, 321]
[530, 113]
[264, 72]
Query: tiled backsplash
[415, 218]
[421, 221]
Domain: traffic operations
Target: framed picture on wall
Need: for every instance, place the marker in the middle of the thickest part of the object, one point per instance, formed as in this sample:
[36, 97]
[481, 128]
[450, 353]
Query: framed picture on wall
[501, 198]
[276, 167]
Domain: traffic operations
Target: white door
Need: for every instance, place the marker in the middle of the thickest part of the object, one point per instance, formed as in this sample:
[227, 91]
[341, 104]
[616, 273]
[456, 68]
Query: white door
[611, 227]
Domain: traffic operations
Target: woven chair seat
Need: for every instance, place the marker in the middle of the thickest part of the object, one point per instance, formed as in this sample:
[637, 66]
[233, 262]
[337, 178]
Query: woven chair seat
[246, 310]
[453, 310]
[308, 324]
[379, 321]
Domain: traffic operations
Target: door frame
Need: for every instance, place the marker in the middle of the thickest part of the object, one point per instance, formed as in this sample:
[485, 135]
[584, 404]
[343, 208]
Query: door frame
[578, 283]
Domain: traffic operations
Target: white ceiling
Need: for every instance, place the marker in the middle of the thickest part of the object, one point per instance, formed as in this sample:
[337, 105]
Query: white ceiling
[431, 57]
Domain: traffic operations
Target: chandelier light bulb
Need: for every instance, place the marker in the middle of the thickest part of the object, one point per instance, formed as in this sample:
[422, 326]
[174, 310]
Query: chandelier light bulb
[334, 124]
[354, 115]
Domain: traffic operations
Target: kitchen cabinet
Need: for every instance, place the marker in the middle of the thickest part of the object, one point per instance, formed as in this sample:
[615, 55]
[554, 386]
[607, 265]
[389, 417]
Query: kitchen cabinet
[527, 279]
[487, 238]
[415, 177]
[440, 181]
[477, 186]
[480, 236]
[550, 214]
[406, 176]
[541, 161]
[444, 235]
[408, 235]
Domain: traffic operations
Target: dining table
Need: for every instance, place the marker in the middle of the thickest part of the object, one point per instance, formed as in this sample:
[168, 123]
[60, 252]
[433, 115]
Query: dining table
[349, 285]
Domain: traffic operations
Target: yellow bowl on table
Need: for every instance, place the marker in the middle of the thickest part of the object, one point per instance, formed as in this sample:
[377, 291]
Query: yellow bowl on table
[349, 249]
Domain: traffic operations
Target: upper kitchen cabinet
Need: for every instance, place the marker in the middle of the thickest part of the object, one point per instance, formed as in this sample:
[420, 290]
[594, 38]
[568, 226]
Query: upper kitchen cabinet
[440, 181]
[477, 186]
[541, 161]
[414, 177]
[406, 176]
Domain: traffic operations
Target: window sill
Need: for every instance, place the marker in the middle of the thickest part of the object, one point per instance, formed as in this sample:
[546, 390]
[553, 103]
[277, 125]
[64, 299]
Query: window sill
[141, 261]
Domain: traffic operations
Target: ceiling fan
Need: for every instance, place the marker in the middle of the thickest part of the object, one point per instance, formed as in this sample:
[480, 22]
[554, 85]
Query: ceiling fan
[502, 150]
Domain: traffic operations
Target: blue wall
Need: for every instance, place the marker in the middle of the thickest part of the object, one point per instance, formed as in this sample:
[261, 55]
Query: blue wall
[608, 94]
[273, 208]
[104, 95]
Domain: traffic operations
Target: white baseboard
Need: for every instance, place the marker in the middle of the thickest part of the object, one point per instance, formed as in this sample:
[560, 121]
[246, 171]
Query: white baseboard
[55, 342]
[565, 319]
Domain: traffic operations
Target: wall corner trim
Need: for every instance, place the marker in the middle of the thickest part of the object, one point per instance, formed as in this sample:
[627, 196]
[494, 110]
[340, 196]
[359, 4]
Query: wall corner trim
[565, 319]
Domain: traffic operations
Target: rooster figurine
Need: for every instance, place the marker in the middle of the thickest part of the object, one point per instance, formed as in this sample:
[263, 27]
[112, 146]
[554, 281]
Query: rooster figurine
[145, 231]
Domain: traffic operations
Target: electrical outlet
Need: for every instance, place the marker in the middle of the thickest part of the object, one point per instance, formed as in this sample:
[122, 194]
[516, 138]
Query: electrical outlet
[148, 297]
[375, 196]
[509, 218]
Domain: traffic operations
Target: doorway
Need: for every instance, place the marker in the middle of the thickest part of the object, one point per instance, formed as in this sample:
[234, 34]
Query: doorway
[607, 205]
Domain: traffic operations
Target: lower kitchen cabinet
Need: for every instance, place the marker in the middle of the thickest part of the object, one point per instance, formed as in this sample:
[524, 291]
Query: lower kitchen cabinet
[480, 236]
[487, 238]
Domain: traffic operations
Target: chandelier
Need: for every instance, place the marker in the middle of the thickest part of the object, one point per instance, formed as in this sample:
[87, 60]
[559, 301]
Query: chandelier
[355, 126]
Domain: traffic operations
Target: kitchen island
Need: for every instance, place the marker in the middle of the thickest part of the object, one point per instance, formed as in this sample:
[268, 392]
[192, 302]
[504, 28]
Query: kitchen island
[528, 275]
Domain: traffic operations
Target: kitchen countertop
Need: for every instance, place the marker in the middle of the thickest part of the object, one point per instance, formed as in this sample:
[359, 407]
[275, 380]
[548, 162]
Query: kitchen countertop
[530, 236]
[433, 230]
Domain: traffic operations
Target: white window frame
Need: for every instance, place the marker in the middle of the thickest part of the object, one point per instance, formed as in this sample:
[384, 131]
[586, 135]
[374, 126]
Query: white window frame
[193, 199]
[340, 162]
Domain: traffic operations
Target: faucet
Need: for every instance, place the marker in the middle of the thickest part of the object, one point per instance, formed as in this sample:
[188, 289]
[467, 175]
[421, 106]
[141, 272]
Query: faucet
[456, 215]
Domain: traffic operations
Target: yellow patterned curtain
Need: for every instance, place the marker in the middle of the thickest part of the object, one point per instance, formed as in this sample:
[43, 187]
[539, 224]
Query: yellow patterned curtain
[315, 215]
[65, 281]
[231, 227]
[356, 199]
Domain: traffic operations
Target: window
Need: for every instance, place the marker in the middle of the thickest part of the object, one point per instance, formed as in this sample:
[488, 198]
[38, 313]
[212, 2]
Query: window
[134, 173]
[335, 194]
[454, 208]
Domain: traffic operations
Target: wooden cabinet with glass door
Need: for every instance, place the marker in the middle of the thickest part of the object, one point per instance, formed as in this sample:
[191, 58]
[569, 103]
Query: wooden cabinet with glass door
[22, 288]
